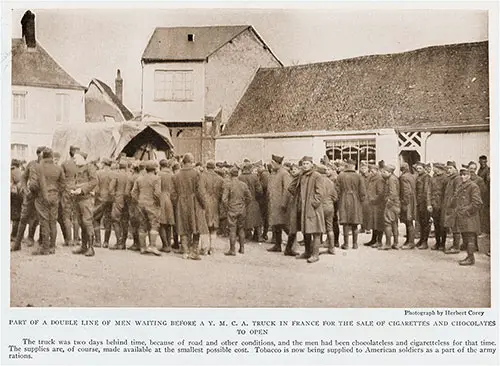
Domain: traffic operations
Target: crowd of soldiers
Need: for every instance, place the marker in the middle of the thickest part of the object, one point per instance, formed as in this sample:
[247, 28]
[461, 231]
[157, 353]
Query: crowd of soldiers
[187, 204]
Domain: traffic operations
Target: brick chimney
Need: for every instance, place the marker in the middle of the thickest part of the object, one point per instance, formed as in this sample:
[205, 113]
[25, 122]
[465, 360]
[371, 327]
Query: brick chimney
[28, 29]
[119, 85]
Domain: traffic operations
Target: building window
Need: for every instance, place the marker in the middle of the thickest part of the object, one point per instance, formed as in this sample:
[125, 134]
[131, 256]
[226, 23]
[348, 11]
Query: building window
[109, 119]
[173, 85]
[357, 150]
[19, 106]
[62, 107]
[19, 151]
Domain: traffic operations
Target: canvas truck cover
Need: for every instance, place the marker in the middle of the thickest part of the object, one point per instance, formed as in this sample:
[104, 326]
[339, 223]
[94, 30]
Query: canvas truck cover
[109, 139]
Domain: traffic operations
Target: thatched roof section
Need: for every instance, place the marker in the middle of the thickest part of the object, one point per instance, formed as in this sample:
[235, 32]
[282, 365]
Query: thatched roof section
[436, 86]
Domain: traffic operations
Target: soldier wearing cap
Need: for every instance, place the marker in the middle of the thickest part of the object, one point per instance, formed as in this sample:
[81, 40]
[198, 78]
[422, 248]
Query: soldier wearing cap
[438, 188]
[253, 219]
[167, 217]
[407, 187]
[223, 224]
[67, 203]
[146, 192]
[137, 168]
[293, 198]
[465, 207]
[484, 173]
[236, 197]
[329, 199]
[277, 196]
[352, 193]
[424, 206]
[84, 183]
[103, 204]
[28, 212]
[364, 170]
[263, 175]
[375, 191]
[46, 183]
[472, 166]
[16, 198]
[392, 208]
[213, 188]
[119, 210]
[189, 200]
[453, 180]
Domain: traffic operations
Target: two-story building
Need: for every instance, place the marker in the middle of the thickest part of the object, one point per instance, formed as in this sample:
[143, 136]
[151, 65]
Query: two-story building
[44, 96]
[193, 78]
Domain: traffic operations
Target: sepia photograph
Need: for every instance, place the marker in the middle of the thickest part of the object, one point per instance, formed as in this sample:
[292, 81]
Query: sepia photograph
[249, 158]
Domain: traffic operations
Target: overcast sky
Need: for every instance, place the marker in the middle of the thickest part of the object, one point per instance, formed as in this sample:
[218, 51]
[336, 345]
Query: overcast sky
[94, 43]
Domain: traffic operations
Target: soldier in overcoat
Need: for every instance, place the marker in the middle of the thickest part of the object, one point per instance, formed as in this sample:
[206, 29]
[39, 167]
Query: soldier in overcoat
[103, 204]
[484, 173]
[352, 193]
[375, 191]
[253, 219]
[133, 213]
[453, 180]
[465, 206]
[189, 197]
[438, 188]
[279, 181]
[364, 171]
[408, 200]
[236, 196]
[146, 192]
[68, 205]
[84, 183]
[167, 215]
[263, 175]
[46, 183]
[16, 198]
[392, 208]
[329, 199]
[119, 210]
[293, 196]
[213, 188]
[424, 207]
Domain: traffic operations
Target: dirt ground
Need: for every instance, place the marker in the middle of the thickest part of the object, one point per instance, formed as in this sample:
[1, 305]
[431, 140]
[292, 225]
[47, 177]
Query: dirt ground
[351, 278]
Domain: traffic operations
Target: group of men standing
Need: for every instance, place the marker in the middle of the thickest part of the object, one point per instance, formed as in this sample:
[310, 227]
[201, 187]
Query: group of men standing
[178, 199]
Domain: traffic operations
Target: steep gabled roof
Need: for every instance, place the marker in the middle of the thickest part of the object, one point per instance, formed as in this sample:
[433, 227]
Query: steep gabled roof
[435, 86]
[171, 43]
[35, 67]
[104, 88]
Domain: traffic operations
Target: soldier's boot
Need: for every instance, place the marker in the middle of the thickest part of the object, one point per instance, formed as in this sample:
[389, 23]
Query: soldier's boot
[232, 244]
[123, 238]
[15, 227]
[107, 235]
[118, 233]
[153, 238]
[411, 239]
[31, 233]
[142, 241]
[388, 237]
[175, 238]
[423, 245]
[438, 244]
[90, 250]
[135, 237]
[184, 246]
[195, 252]
[395, 235]
[277, 237]
[331, 242]
[345, 230]
[455, 248]
[212, 236]
[289, 245]
[241, 239]
[354, 237]
[307, 248]
[444, 235]
[336, 233]
[373, 239]
[471, 247]
[406, 236]
[19, 237]
[82, 247]
[378, 239]
[97, 234]
[315, 244]
[165, 239]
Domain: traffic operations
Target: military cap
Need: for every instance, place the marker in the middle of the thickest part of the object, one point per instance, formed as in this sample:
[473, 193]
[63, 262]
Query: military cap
[287, 164]
[471, 163]
[40, 149]
[210, 164]
[57, 155]
[381, 164]
[428, 165]
[246, 160]
[419, 163]
[277, 159]
[483, 157]
[151, 165]
[464, 168]
[247, 167]
[390, 168]
[321, 169]
[451, 163]
[73, 148]
[439, 166]
[164, 163]
[307, 158]
[219, 164]
[405, 166]
[83, 154]
[234, 171]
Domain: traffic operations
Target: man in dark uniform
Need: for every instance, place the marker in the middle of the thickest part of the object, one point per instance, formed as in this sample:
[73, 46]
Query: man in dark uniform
[213, 187]
[236, 197]
[146, 192]
[137, 168]
[253, 220]
[438, 188]
[466, 205]
[85, 182]
[424, 206]
[392, 207]
[407, 186]
[28, 213]
[46, 184]
[175, 169]
[375, 191]
[453, 180]
[119, 211]
[103, 204]
[68, 205]
[263, 175]
[16, 198]
[484, 173]
[167, 216]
